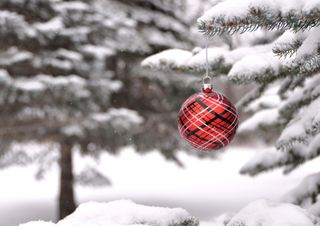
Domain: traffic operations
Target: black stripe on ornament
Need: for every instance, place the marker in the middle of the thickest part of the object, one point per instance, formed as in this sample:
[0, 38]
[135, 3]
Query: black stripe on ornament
[217, 116]
[213, 112]
[197, 136]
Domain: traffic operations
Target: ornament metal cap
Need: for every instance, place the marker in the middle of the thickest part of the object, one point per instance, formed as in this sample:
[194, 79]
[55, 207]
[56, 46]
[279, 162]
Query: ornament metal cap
[206, 85]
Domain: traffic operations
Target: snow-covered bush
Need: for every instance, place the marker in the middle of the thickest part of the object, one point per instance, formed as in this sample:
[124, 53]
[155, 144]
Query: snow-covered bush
[127, 213]
[123, 213]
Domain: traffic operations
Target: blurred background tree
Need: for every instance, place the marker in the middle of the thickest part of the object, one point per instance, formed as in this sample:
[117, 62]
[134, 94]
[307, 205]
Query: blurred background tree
[70, 80]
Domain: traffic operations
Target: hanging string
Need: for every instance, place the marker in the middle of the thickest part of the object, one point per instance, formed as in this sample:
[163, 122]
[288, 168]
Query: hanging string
[207, 61]
[206, 81]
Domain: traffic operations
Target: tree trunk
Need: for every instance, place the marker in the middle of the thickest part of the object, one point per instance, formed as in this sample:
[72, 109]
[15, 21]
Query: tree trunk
[66, 198]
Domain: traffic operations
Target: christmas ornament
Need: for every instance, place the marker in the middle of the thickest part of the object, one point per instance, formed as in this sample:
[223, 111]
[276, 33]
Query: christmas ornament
[207, 120]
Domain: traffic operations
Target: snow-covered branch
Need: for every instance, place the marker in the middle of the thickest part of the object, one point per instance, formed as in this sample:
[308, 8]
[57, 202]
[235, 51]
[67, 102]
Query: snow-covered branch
[309, 188]
[233, 16]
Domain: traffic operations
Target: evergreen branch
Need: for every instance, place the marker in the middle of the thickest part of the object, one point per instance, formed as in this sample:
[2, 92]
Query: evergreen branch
[290, 83]
[308, 188]
[285, 86]
[251, 96]
[283, 159]
[291, 107]
[309, 64]
[258, 18]
[286, 49]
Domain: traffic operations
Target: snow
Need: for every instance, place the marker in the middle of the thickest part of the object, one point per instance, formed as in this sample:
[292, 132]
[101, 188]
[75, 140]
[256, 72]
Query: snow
[298, 127]
[288, 43]
[218, 57]
[5, 78]
[14, 55]
[167, 58]
[156, 37]
[315, 209]
[204, 187]
[261, 119]
[232, 9]
[21, 56]
[313, 148]
[62, 80]
[311, 44]
[255, 67]
[72, 130]
[221, 220]
[72, 5]
[68, 54]
[100, 52]
[241, 52]
[227, 9]
[124, 213]
[123, 113]
[38, 223]
[262, 212]
[306, 189]
[311, 89]
[159, 19]
[54, 25]
[29, 85]
[215, 56]
[44, 82]
[269, 99]
[311, 5]
[263, 160]
[14, 22]
[289, 37]
[61, 64]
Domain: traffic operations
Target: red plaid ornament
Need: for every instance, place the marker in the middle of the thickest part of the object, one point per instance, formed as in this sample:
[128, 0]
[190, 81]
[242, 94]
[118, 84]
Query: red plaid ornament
[207, 120]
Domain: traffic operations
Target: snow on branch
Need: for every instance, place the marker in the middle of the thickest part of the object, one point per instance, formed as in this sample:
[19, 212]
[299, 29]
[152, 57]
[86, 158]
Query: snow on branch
[248, 15]
[290, 159]
[262, 212]
[266, 67]
[220, 59]
[45, 91]
[122, 213]
[315, 209]
[301, 96]
[168, 59]
[265, 104]
[262, 68]
[13, 24]
[250, 96]
[299, 141]
[264, 161]
[263, 119]
[304, 126]
[309, 188]
[288, 43]
[308, 55]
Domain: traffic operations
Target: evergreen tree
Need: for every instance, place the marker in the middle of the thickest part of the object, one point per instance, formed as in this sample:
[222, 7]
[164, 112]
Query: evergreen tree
[61, 65]
[282, 59]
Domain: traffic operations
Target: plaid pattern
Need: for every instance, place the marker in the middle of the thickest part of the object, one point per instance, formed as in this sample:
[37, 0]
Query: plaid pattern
[208, 121]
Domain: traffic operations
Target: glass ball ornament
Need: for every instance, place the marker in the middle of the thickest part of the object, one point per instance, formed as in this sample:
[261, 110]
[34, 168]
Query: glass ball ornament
[207, 120]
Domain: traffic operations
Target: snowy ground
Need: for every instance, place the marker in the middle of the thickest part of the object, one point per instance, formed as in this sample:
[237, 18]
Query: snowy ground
[204, 187]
